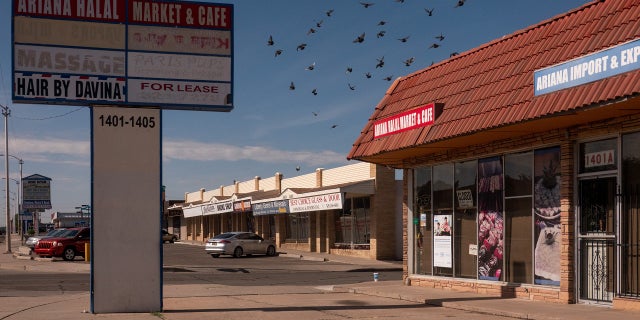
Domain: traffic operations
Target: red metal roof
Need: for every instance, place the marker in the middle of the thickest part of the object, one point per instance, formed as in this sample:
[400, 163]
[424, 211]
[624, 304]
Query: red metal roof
[492, 86]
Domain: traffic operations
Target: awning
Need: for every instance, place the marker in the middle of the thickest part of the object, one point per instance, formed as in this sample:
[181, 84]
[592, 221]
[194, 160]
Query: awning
[192, 211]
[270, 207]
[326, 198]
[217, 207]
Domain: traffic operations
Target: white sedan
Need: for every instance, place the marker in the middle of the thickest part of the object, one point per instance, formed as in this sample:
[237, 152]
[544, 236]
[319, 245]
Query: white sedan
[238, 244]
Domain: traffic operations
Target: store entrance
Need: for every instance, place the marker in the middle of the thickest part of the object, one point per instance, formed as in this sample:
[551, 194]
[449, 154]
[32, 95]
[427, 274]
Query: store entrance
[597, 238]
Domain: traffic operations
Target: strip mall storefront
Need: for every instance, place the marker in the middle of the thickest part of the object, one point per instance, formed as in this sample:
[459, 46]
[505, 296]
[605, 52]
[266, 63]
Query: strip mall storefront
[521, 161]
[351, 210]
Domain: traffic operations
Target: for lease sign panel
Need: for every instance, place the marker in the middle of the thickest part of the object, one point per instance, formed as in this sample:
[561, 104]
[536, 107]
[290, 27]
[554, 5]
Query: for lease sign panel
[87, 52]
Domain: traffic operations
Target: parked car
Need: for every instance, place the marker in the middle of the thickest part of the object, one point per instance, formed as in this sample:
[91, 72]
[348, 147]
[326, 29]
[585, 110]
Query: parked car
[238, 244]
[31, 241]
[67, 245]
[168, 237]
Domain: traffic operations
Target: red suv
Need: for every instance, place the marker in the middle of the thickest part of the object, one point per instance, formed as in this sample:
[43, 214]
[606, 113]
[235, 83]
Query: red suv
[67, 245]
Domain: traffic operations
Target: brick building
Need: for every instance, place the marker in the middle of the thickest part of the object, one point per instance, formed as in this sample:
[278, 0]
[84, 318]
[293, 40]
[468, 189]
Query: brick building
[354, 210]
[521, 161]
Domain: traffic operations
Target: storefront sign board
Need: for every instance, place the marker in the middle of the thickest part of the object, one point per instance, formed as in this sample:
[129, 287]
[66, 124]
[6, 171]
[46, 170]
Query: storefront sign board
[270, 207]
[330, 201]
[408, 120]
[593, 67]
[183, 49]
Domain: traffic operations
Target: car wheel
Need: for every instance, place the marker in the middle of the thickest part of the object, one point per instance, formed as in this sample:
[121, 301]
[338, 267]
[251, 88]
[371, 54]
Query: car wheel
[173, 239]
[215, 255]
[271, 251]
[237, 253]
[69, 254]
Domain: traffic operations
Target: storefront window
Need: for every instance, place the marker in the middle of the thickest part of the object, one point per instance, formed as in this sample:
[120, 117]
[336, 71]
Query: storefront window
[518, 246]
[599, 156]
[465, 238]
[548, 240]
[442, 217]
[422, 220]
[490, 219]
[493, 219]
[298, 227]
[630, 235]
[353, 222]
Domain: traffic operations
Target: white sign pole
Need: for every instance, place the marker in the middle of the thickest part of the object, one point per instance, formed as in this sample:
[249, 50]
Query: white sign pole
[126, 259]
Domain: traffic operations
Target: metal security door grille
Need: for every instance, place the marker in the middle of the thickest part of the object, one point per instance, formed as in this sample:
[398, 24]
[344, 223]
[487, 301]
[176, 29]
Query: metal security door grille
[597, 239]
[630, 243]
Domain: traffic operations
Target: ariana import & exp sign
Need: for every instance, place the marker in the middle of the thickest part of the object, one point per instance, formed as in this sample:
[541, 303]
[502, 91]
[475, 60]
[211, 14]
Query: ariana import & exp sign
[175, 55]
[596, 66]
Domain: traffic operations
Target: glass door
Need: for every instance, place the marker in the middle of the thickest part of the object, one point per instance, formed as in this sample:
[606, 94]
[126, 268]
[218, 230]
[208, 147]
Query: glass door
[597, 238]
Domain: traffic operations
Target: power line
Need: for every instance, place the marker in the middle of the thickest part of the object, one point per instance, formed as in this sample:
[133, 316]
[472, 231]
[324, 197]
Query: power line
[50, 117]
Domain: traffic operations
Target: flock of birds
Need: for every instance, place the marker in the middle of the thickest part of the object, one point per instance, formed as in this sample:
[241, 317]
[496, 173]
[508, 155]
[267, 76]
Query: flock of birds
[359, 39]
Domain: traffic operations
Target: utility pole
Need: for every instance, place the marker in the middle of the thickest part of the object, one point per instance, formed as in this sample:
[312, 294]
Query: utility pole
[6, 112]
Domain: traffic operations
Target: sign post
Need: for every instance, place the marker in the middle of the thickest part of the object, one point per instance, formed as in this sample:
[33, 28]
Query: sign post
[127, 60]
[36, 195]
[126, 258]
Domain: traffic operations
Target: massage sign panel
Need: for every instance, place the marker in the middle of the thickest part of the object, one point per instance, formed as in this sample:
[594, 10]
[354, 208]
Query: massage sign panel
[167, 54]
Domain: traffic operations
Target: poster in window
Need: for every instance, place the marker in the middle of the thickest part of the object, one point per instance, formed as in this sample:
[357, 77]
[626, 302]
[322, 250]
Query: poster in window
[546, 194]
[442, 241]
[490, 218]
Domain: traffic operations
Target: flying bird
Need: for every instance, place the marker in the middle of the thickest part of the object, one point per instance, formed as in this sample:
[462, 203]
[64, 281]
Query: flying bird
[368, 75]
[352, 87]
[270, 41]
[404, 39]
[314, 113]
[319, 24]
[367, 4]
[292, 86]
[382, 23]
[460, 3]
[429, 12]
[380, 63]
[311, 30]
[349, 70]
[333, 126]
[311, 67]
[400, 1]
[453, 54]
[381, 34]
[297, 168]
[278, 52]
[440, 37]
[435, 45]
[388, 78]
[409, 61]
[359, 39]
[315, 93]
[301, 46]
[329, 12]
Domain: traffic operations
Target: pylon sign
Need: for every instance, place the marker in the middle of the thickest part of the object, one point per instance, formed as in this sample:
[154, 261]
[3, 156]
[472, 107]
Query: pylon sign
[36, 192]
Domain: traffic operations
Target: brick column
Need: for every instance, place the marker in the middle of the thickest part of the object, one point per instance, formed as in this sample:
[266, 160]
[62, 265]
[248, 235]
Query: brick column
[321, 231]
[313, 236]
[568, 222]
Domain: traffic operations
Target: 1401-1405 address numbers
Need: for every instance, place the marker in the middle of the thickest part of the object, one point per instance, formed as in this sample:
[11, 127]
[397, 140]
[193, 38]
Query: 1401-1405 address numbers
[133, 121]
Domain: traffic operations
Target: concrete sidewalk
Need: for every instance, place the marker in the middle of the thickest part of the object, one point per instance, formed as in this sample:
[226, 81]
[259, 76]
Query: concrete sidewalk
[192, 296]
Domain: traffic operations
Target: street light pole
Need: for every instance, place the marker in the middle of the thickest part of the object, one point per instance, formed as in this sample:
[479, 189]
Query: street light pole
[20, 203]
[6, 112]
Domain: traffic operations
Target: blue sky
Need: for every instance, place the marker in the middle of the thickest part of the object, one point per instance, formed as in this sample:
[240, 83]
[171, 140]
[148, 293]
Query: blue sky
[272, 128]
